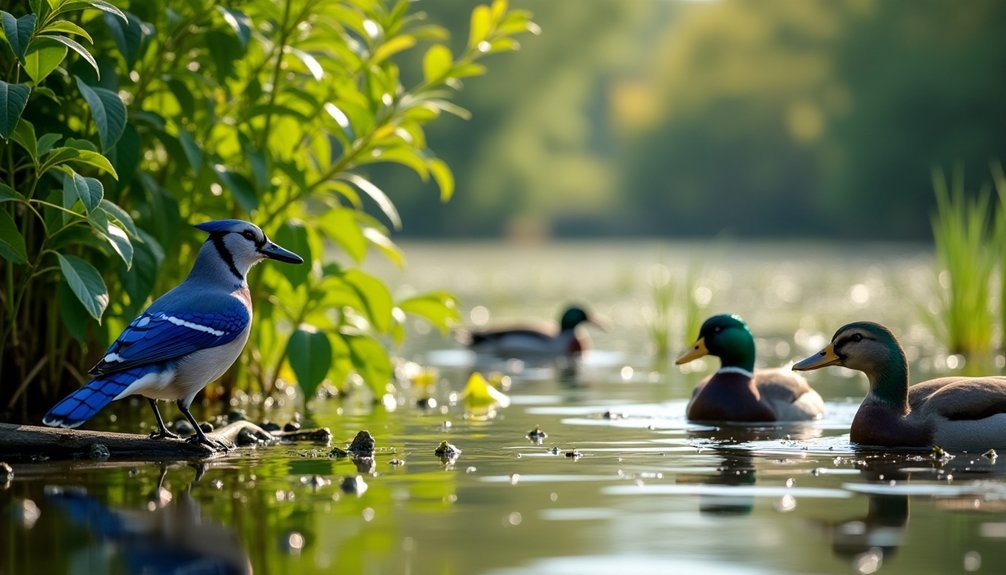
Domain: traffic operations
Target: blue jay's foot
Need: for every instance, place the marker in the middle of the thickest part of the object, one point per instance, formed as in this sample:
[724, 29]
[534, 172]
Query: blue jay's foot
[163, 434]
[213, 444]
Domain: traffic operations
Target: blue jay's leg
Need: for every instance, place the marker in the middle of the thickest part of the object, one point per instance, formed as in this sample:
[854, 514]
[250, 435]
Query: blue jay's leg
[199, 437]
[163, 432]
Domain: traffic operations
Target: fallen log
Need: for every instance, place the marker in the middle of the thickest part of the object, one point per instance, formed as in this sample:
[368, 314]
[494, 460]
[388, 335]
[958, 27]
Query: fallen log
[35, 443]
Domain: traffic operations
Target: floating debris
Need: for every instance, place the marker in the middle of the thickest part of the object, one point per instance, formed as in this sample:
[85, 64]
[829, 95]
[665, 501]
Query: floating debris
[574, 454]
[6, 470]
[991, 454]
[291, 426]
[612, 415]
[554, 451]
[354, 485]
[479, 394]
[396, 462]
[537, 435]
[426, 403]
[940, 455]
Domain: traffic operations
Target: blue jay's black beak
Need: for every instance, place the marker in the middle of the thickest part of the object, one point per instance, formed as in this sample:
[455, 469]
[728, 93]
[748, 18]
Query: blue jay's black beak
[274, 252]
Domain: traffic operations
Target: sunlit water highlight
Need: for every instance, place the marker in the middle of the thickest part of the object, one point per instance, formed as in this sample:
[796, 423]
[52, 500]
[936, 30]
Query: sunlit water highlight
[622, 484]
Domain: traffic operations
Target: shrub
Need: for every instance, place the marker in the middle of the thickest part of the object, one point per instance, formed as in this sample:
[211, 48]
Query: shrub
[168, 113]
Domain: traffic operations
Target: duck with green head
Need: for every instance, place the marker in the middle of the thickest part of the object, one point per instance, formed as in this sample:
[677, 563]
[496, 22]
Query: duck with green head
[738, 392]
[525, 341]
[960, 413]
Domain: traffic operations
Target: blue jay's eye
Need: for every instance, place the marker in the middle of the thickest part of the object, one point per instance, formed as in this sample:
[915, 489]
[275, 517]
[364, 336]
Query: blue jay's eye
[248, 235]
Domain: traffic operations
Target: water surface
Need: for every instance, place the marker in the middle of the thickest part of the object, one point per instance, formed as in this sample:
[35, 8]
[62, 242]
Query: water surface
[623, 483]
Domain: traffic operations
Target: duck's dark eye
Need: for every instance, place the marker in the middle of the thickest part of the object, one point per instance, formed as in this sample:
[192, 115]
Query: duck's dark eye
[717, 329]
[857, 337]
[248, 235]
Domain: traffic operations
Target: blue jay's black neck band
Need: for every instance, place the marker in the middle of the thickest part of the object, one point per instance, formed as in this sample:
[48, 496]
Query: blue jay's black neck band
[225, 254]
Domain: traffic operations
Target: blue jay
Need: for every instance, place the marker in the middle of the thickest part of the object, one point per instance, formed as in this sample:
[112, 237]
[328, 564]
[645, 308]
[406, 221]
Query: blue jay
[187, 338]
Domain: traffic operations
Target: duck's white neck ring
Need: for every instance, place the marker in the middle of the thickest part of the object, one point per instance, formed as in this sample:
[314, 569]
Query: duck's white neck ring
[738, 370]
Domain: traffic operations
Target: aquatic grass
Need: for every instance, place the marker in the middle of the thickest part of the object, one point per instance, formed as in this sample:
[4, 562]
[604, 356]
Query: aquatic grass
[665, 295]
[999, 229]
[965, 265]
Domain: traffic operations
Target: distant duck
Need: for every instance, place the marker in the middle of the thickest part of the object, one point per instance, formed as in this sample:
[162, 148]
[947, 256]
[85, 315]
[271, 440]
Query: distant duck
[518, 342]
[962, 413]
[739, 393]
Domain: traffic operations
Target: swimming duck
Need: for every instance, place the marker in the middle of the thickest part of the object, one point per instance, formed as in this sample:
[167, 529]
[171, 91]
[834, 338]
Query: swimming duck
[524, 341]
[738, 392]
[963, 413]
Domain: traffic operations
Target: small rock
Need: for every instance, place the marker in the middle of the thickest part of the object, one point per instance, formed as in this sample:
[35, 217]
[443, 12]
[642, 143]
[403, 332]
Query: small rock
[183, 427]
[363, 444]
[575, 454]
[338, 453]
[291, 426]
[990, 454]
[426, 403]
[537, 435]
[206, 426]
[6, 470]
[446, 450]
[247, 437]
[98, 452]
[270, 426]
[554, 451]
[236, 415]
[396, 462]
[355, 485]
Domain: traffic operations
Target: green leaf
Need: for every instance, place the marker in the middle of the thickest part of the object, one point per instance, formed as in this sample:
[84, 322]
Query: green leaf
[127, 31]
[443, 176]
[481, 24]
[18, 32]
[382, 242]
[340, 225]
[72, 312]
[108, 112]
[107, 7]
[309, 61]
[24, 135]
[375, 297]
[121, 216]
[139, 281]
[439, 308]
[86, 283]
[193, 153]
[88, 190]
[310, 355]
[89, 158]
[392, 47]
[239, 22]
[13, 99]
[67, 27]
[293, 236]
[378, 195]
[47, 141]
[43, 56]
[370, 360]
[240, 187]
[76, 47]
[437, 63]
[12, 246]
[113, 235]
[8, 194]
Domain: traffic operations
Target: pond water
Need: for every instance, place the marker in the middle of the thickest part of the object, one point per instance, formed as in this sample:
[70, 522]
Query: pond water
[622, 483]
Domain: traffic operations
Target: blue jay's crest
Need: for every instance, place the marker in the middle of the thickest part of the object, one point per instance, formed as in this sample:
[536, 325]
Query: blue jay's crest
[226, 226]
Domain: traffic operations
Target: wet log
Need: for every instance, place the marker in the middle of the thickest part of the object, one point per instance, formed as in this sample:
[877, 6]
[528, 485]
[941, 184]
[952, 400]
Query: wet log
[34, 443]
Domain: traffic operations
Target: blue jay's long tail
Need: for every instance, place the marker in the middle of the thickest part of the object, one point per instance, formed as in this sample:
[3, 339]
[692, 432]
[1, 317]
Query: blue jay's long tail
[82, 404]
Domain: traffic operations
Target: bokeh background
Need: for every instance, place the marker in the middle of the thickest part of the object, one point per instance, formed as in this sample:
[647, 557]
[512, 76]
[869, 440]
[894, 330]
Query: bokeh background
[719, 118]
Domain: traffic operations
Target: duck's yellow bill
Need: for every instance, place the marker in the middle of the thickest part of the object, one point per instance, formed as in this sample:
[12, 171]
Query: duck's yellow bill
[698, 350]
[823, 358]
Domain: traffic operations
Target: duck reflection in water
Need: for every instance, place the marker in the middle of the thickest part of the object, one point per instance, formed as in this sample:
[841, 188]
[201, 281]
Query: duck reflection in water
[169, 536]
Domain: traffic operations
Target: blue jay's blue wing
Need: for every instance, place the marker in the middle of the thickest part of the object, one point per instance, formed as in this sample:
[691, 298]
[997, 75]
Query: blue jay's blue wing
[158, 336]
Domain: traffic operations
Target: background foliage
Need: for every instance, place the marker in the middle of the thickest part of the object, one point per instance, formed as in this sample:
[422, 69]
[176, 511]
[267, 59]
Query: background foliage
[123, 124]
[768, 119]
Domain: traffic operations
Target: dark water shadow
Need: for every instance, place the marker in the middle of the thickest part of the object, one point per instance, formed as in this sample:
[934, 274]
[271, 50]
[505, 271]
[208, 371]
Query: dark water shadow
[169, 535]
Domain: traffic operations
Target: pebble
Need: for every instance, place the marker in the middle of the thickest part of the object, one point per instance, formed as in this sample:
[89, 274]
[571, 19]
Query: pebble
[98, 452]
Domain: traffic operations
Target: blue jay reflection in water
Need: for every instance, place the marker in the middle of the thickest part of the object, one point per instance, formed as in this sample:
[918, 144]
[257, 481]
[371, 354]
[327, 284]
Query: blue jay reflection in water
[187, 338]
[171, 536]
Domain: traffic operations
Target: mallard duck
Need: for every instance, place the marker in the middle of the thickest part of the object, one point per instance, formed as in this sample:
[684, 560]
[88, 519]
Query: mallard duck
[526, 341]
[963, 413]
[738, 392]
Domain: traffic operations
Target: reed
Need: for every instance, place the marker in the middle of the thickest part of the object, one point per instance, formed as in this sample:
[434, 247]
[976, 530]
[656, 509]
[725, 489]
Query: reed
[966, 261]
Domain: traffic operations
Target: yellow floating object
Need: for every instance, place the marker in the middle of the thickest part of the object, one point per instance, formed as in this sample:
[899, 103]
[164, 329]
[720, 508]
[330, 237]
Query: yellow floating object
[479, 393]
